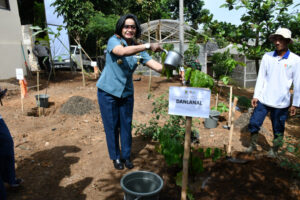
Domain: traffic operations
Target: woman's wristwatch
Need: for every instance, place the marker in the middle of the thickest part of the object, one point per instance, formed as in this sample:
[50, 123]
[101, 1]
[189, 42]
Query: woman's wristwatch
[147, 45]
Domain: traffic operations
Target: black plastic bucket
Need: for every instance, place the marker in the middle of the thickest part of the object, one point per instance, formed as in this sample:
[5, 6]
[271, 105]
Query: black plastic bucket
[42, 100]
[141, 185]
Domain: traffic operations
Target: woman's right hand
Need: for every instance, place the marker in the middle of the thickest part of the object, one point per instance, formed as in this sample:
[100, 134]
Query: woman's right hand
[155, 47]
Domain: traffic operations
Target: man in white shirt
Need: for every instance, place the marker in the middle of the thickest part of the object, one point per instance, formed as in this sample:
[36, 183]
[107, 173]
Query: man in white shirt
[279, 69]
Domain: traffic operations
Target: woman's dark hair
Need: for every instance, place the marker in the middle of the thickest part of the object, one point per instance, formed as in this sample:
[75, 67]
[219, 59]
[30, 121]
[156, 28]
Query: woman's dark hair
[121, 23]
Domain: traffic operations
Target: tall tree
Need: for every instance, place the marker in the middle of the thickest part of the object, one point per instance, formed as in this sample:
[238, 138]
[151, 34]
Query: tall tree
[292, 22]
[109, 7]
[193, 12]
[102, 27]
[224, 33]
[76, 14]
[153, 9]
[259, 21]
[160, 9]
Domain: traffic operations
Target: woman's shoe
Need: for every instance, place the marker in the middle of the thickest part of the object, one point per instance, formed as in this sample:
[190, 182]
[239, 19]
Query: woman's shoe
[128, 164]
[118, 164]
[17, 183]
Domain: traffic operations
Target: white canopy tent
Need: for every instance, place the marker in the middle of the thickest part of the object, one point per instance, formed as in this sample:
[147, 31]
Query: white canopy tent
[163, 31]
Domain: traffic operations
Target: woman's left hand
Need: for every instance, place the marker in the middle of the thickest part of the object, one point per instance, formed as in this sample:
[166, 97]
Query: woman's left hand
[293, 110]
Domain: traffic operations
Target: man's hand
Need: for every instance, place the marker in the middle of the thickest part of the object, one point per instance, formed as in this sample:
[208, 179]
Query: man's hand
[254, 102]
[293, 110]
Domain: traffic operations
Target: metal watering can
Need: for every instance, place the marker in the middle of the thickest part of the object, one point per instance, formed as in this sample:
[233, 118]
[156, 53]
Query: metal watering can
[173, 59]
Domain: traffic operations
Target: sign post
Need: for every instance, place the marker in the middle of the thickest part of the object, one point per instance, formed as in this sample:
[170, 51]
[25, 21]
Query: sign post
[20, 77]
[96, 71]
[189, 102]
[186, 156]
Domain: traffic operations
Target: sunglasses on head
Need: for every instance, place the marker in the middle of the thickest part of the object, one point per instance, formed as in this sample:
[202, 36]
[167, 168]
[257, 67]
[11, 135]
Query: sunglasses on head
[129, 26]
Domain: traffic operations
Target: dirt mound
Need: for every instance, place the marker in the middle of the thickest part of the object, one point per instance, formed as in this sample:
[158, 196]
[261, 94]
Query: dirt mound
[243, 121]
[77, 105]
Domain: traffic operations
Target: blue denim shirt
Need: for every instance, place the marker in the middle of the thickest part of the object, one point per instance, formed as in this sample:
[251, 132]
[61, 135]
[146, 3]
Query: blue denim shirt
[116, 79]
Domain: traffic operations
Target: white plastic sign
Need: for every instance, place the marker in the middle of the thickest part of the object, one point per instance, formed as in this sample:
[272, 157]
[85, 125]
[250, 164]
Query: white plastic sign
[19, 73]
[188, 101]
[94, 64]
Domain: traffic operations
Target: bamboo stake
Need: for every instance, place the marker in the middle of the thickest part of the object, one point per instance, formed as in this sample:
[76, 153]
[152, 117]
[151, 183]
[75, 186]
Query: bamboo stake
[231, 127]
[83, 50]
[150, 75]
[22, 102]
[81, 65]
[186, 157]
[217, 99]
[230, 107]
[38, 91]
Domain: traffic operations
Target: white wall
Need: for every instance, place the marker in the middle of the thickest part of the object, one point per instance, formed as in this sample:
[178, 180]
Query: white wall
[28, 44]
[11, 56]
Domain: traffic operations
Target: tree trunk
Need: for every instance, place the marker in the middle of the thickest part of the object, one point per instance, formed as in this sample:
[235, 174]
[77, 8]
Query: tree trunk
[257, 65]
[256, 45]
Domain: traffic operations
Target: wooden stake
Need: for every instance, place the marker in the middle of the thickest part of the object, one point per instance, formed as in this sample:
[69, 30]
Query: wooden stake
[38, 91]
[230, 107]
[85, 53]
[81, 65]
[231, 127]
[150, 75]
[217, 99]
[22, 102]
[96, 71]
[186, 157]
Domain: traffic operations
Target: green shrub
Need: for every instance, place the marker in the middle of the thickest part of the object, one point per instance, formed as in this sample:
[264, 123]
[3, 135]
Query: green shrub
[222, 107]
[290, 154]
[223, 64]
[196, 78]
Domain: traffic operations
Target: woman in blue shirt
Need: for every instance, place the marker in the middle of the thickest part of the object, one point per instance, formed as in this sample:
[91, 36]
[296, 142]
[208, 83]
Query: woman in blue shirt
[115, 86]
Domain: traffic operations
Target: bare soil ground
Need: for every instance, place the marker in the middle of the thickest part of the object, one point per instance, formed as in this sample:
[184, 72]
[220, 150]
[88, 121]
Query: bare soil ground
[64, 156]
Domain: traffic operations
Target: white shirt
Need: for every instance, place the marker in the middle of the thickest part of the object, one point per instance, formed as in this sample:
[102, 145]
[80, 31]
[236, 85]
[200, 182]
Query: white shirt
[275, 77]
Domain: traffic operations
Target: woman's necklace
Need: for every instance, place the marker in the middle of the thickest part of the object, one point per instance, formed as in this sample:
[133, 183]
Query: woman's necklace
[120, 61]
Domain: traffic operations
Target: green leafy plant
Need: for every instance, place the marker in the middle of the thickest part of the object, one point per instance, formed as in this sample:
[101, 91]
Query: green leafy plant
[102, 27]
[179, 183]
[223, 65]
[260, 19]
[193, 64]
[197, 78]
[225, 79]
[76, 15]
[222, 107]
[171, 145]
[290, 154]
[192, 53]
[169, 131]
[243, 101]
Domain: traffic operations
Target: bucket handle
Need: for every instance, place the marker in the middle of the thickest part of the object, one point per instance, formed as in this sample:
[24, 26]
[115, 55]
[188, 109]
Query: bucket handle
[134, 199]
